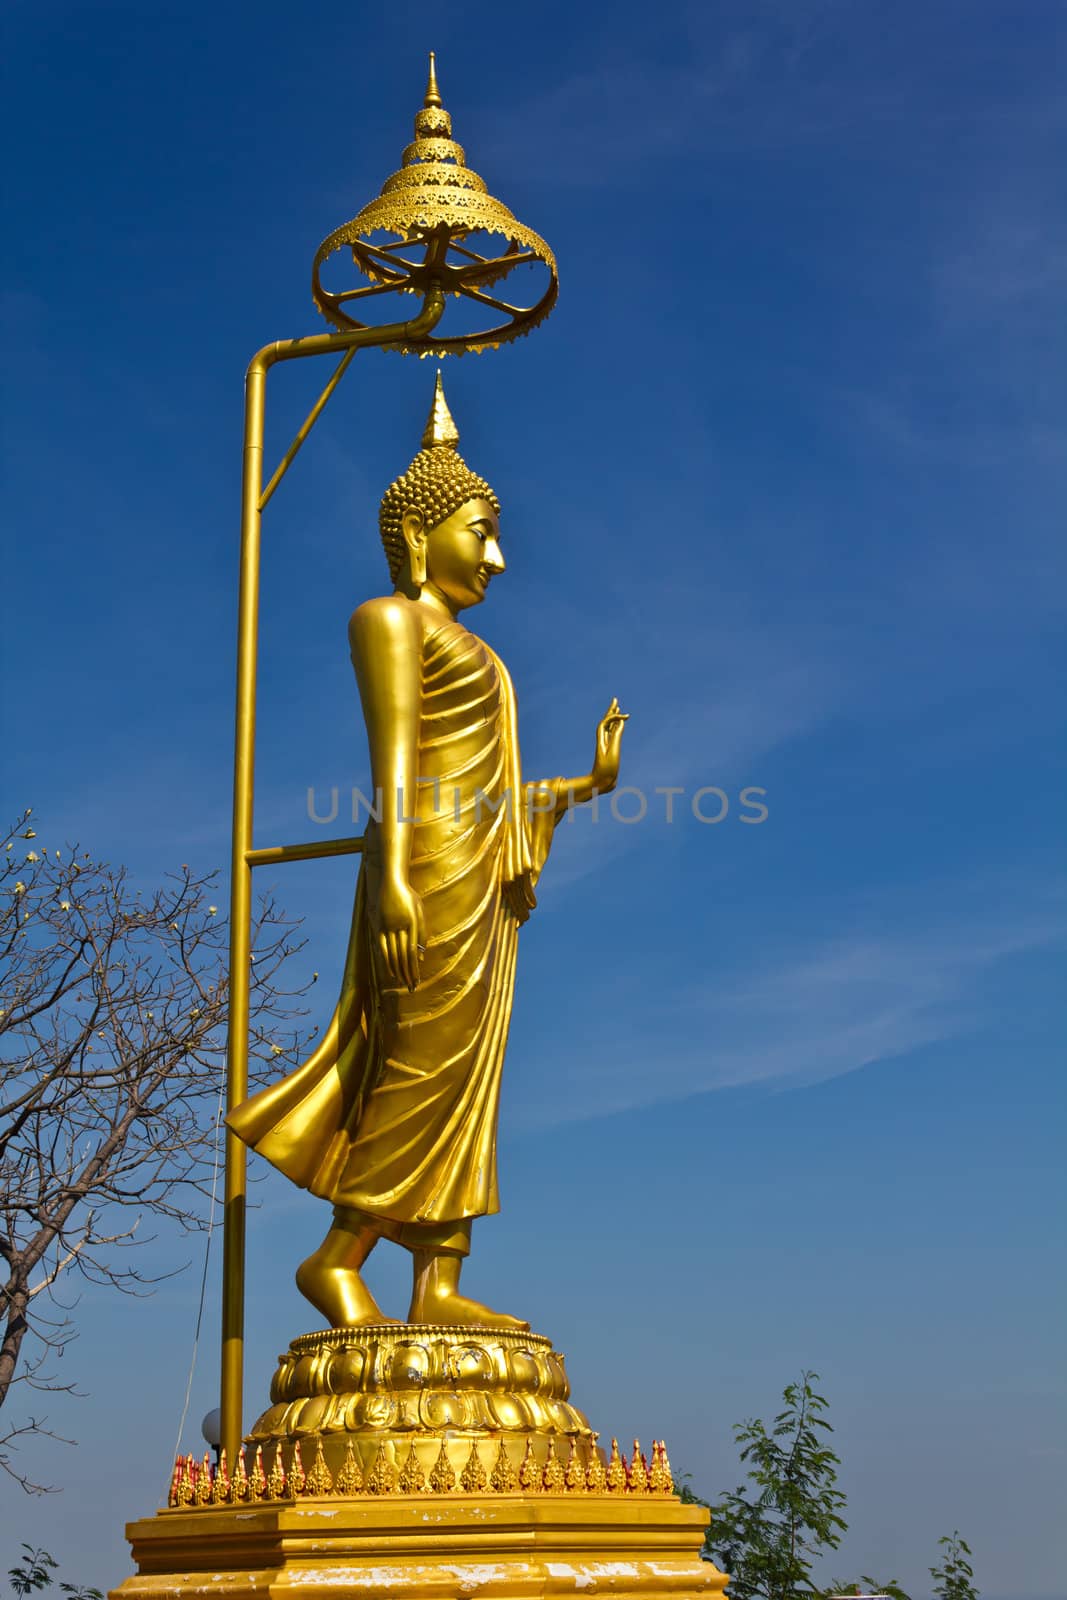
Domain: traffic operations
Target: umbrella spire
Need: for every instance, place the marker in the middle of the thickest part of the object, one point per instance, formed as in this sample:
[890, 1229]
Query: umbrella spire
[433, 94]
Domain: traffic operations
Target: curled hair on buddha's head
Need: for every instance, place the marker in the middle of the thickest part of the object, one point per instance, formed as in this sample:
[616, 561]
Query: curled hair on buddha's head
[437, 483]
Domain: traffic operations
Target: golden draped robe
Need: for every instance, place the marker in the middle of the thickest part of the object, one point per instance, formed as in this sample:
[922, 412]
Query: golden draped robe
[395, 1113]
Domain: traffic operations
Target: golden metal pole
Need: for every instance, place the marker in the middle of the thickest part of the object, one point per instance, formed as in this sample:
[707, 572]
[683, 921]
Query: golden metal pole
[271, 853]
[309, 422]
[252, 500]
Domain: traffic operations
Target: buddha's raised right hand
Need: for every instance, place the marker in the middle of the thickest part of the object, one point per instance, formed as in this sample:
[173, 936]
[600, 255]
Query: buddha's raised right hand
[605, 774]
[401, 929]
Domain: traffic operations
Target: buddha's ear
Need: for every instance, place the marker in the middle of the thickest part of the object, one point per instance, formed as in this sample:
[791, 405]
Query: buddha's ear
[413, 527]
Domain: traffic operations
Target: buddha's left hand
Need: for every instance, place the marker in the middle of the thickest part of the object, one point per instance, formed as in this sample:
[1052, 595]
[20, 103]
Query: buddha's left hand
[608, 747]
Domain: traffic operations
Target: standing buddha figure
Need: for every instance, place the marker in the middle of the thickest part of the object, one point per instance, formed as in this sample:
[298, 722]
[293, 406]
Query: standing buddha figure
[393, 1118]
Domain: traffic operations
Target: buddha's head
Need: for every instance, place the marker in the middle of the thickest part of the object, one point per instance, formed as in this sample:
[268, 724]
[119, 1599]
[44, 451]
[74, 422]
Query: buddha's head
[440, 521]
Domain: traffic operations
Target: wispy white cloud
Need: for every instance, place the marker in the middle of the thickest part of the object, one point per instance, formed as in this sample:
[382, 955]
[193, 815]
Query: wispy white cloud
[910, 424]
[710, 702]
[1011, 253]
[848, 1003]
[755, 78]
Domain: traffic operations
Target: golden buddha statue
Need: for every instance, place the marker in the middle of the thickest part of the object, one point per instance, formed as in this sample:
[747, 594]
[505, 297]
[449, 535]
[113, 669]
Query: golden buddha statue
[393, 1118]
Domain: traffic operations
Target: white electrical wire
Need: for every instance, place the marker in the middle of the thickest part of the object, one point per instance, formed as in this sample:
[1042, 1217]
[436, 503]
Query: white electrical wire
[207, 1258]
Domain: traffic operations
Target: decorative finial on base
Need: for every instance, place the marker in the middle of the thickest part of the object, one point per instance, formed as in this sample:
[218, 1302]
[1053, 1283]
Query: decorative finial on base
[553, 1480]
[504, 1478]
[666, 1463]
[574, 1478]
[297, 1476]
[658, 1476]
[615, 1477]
[529, 1471]
[412, 1478]
[382, 1476]
[350, 1477]
[276, 1480]
[474, 1478]
[443, 1478]
[320, 1479]
[257, 1478]
[220, 1492]
[637, 1477]
[596, 1479]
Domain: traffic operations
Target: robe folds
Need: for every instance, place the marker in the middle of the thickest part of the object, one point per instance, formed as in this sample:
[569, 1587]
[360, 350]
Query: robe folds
[395, 1113]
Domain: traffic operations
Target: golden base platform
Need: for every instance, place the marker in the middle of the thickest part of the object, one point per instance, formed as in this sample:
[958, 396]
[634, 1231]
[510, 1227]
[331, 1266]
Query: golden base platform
[412, 1461]
[414, 1547]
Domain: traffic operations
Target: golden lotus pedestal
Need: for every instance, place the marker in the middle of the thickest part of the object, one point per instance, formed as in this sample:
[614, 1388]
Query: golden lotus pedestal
[410, 1462]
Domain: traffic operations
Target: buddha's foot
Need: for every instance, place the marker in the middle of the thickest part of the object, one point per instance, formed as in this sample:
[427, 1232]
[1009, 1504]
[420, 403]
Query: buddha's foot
[339, 1293]
[456, 1309]
[447, 1308]
[436, 1297]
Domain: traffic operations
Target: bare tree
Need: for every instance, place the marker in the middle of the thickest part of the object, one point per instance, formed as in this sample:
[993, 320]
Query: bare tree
[112, 1045]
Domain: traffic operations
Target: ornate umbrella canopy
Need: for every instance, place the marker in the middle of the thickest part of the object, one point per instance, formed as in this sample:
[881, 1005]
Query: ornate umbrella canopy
[426, 219]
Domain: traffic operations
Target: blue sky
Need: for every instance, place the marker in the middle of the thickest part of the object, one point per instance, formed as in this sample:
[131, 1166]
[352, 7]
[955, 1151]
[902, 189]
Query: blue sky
[785, 470]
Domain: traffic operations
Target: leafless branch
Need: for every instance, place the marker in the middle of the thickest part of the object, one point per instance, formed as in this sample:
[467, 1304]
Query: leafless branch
[113, 1011]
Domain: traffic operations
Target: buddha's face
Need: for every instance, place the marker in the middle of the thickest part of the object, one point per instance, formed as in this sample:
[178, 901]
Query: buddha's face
[461, 554]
